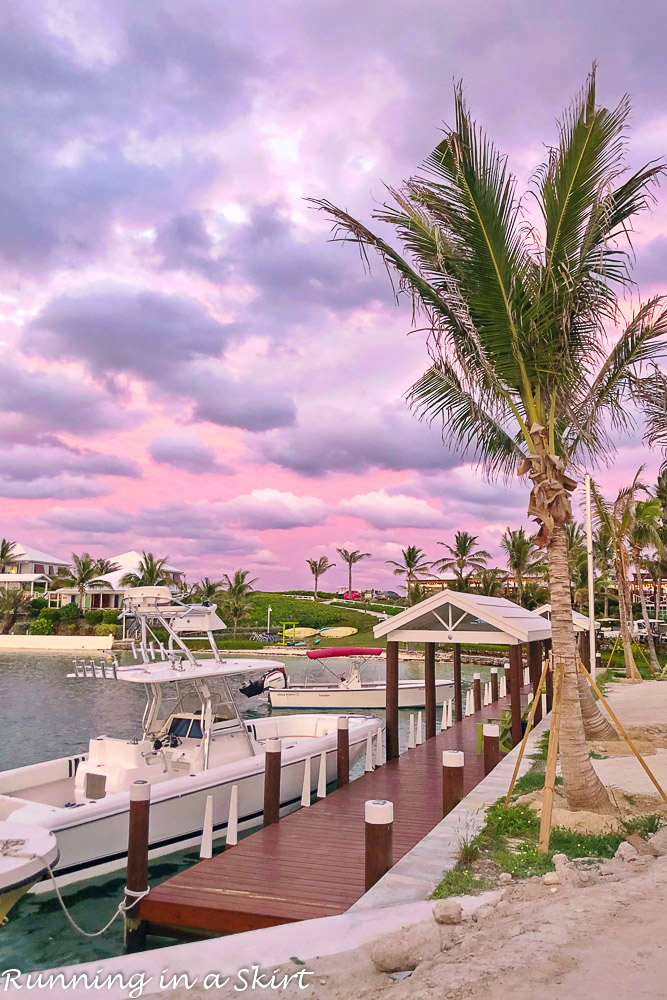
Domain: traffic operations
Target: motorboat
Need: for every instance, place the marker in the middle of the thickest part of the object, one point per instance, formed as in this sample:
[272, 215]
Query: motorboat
[192, 743]
[347, 689]
[26, 854]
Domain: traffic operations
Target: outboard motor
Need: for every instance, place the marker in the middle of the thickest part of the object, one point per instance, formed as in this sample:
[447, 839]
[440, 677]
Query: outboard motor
[276, 678]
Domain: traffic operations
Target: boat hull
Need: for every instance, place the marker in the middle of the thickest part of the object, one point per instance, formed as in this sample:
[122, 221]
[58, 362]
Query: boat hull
[411, 694]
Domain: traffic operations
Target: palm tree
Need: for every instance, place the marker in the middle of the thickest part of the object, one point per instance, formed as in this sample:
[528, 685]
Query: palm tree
[105, 566]
[521, 376]
[7, 554]
[492, 582]
[235, 600]
[603, 555]
[151, 572]
[523, 557]
[351, 558]
[414, 562]
[12, 604]
[207, 589]
[84, 574]
[463, 556]
[318, 567]
[645, 533]
[534, 594]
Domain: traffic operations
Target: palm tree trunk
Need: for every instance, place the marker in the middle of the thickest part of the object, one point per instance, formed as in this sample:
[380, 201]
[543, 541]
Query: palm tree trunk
[349, 579]
[649, 635]
[596, 725]
[317, 576]
[631, 671]
[583, 789]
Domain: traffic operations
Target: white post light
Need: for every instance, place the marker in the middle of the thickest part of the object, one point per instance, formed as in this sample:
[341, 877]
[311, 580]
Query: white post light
[268, 618]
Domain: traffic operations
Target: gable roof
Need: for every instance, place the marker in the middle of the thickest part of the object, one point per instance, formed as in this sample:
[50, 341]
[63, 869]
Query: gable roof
[25, 553]
[581, 622]
[451, 616]
[129, 563]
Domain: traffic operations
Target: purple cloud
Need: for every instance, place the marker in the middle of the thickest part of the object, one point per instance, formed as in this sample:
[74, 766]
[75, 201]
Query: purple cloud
[187, 452]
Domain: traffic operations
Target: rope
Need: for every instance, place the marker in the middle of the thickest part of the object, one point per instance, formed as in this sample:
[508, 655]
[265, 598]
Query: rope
[122, 908]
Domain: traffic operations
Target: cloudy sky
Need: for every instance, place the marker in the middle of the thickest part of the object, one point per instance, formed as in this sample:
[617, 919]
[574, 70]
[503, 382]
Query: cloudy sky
[188, 365]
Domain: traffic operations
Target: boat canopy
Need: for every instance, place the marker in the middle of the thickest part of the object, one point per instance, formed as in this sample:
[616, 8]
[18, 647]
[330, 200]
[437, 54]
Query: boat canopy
[164, 671]
[325, 654]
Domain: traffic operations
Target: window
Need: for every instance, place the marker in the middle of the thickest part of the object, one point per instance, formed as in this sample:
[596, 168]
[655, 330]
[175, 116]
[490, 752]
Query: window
[195, 730]
[179, 727]
[39, 568]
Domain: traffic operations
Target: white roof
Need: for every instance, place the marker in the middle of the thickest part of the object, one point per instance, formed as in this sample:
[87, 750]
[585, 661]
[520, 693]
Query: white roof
[581, 622]
[129, 563]
[24, 553]
[24, 578]
[162, 671]
[451, 616]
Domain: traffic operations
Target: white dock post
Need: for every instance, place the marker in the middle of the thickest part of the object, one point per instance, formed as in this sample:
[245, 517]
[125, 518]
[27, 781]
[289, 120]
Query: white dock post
[206, 849]
[411, 735]
[450, 721]
[369, 753]
[305, 791]
[503, 686]
[420, 737]
[443, 720]
[232, 838]
[378, 749]
[322, 778]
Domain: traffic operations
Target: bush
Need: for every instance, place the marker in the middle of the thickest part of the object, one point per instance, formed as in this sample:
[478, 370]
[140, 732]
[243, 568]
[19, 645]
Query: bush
[42, 626]
[36, 605]
[50, 615]
[110, 617]
[94, 617]
[308, 614]
[114, 630]
[70, 613]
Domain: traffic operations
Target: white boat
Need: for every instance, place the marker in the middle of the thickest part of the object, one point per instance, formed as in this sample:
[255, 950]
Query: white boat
[192, 743]
[347, 691]
[26, 853]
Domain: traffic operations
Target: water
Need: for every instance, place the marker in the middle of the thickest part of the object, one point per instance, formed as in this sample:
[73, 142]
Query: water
[45, 715]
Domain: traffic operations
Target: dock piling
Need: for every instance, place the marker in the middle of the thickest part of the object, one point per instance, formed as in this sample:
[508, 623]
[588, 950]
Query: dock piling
[305, 791]
[420, 732]
[206, 849]
[369, 753]
[477, 692]
[379, 853]
[232, 838]
[322, 777]
[452, 779]
[137, 863]
[494, 684]
[273, 757]
[378, 750]
[443, 720]
[491, 736]
[411, 734]
[343, 752]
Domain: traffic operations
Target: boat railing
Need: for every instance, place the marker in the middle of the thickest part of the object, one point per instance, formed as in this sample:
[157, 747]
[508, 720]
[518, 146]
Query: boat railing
[103, 670]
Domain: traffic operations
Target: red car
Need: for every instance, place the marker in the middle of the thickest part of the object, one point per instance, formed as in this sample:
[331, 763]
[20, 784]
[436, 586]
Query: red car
[351, 595]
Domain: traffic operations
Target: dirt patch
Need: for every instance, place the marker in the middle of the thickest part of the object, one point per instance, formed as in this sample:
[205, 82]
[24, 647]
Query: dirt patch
[647, 740]
[626, 807]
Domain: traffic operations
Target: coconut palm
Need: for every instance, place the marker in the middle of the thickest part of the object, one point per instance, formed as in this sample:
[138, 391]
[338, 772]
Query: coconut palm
[105, 566]
[644, 534]
[516, 315]
[83, 574]
[12, 603]
[207, 589]
[534, 594]
[603, 557]
[492, 582]
[235, 601]
[318, 567]
[523, 557]
[351, 558]
[7, 554]
[463, 559]
[414, 562]
[151, 572]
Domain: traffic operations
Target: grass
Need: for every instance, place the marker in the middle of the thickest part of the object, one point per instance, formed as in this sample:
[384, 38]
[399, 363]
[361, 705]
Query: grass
[461, 882]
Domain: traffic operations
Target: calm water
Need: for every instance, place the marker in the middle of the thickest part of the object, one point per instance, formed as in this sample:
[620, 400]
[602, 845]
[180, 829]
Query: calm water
[45, 715]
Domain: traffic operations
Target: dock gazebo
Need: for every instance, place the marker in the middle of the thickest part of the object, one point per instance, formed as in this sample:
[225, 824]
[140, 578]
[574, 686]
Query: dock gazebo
[452, 618]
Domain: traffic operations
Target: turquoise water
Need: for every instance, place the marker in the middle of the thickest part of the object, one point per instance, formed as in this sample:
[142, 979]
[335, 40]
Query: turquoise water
[45, 715]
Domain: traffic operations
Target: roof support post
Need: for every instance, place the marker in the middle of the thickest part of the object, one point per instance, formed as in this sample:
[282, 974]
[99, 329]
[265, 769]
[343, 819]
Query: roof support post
[392, 700]
[535, 670]
[516, 668]
[429, 685]
[458, 693]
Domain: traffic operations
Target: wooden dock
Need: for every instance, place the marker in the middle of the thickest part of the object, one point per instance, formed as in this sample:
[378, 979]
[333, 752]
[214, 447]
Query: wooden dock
[311, 863]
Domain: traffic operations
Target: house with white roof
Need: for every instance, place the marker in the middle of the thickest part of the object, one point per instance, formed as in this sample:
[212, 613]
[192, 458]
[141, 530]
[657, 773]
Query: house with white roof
[111, 596]
[30, 569]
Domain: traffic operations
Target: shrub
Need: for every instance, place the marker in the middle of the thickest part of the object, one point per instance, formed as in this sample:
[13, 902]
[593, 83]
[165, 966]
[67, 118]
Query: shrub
[309, 614]
[36, 605]
[114, 630]
[41, 626]
[50, 615]
[94, 617]
[110, 617]
[70, 613]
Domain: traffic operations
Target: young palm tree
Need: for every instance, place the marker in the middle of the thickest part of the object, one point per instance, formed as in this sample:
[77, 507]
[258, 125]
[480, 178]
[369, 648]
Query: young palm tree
[150, 573]
[7, 554]
[235, 600]
[351, 558]
[603, 555]
[105, 566]
[516, 313]
[12, 604]
[523, 557]
[645, 534]
[492, 582]
[414, 563]
[207, 589]
[318, 567]
[534, 594]
[463, 558]
[84, 574]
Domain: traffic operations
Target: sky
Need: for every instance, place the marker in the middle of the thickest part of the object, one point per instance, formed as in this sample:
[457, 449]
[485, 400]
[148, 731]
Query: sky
[189, 365]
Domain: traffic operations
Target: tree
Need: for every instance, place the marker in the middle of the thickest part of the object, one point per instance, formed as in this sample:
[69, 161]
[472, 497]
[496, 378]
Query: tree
[644, 534]
[207, 589]
[235, 601]
[521, 375]
[151, 572]
[492, 582]
[318, 567]
[12, 603]
[7, 554]
[351, 558]
[523, 557]
[463, 556]
[83, 575]
[603, 556]
[105, 566]
[414, 562]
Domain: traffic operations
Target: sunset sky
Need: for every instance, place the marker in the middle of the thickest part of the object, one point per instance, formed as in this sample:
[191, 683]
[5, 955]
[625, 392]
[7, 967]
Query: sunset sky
[188, 364]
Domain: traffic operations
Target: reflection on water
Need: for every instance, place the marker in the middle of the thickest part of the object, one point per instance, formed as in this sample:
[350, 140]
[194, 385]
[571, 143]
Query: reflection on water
[45, 715]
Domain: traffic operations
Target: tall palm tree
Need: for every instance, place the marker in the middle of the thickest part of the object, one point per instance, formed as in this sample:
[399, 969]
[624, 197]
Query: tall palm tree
[351, 557]
[644, 534]
[207, 589]
[7, 554]
[106, 566]
[84, 574]
[463, 558]
[318, 567]
[603, 557]
[235, 600]
[414, 562]
[523, 557]
[151, 572]
[521, 375]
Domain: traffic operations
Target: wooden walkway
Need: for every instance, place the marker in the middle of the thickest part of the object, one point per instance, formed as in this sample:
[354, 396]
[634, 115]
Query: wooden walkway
[311, 863]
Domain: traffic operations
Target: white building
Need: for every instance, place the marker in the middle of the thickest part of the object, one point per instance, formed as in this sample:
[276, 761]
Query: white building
[111, 596]
[29, 560]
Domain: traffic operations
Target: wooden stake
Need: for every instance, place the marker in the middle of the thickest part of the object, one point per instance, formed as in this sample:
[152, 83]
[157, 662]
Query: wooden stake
[529, 725]
[552, 757]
